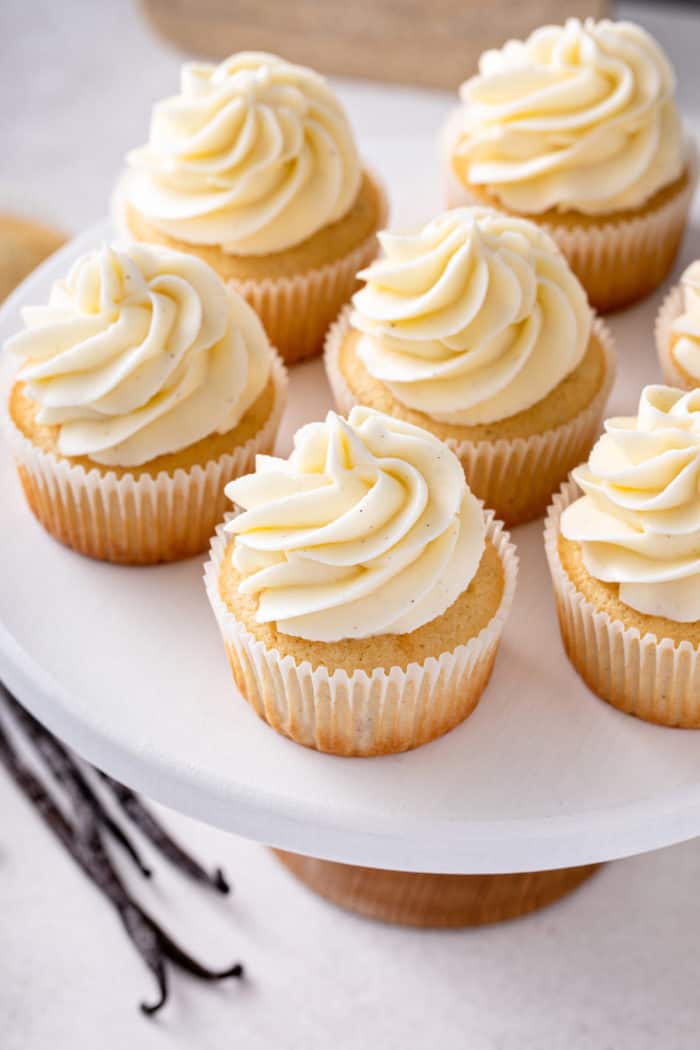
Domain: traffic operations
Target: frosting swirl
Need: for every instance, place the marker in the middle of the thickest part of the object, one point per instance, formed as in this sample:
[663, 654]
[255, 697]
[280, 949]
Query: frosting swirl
[580, 116]
[639, 519]
[472, 319]
[254, 155]
[140, 352]
[685, 348]
[368, 528]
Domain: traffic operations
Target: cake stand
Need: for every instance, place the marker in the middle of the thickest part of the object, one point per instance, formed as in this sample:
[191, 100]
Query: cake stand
[506, 812]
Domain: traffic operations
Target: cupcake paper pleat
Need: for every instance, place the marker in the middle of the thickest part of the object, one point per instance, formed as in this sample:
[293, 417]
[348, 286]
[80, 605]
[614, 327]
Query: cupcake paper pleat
[656, 680]
[137, 520]
[383, 712]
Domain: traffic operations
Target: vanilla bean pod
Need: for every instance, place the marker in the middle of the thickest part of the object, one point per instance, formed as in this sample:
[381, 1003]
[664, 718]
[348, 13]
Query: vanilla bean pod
[66, 771]
[85, 846]
[82, 849]
[147, 824]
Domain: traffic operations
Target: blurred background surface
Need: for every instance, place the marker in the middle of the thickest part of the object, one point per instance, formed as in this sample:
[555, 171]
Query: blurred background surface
[79, 79]
[409, 41]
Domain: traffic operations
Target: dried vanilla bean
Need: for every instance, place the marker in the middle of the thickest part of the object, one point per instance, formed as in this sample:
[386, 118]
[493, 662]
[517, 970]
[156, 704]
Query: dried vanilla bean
[147, 824]
[84, 844]
[65, 770]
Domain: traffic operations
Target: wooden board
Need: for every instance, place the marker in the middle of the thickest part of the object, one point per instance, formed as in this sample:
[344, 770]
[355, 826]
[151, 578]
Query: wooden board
[23, 245]
[413, 899]
[433, 44]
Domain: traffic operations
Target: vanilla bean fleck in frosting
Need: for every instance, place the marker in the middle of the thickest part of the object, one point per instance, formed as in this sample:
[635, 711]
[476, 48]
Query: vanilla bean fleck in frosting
[368, 528]
[685, 348]
[474, 318]
[254, 155]
[638, 521]
[577, 117]
[140, 352]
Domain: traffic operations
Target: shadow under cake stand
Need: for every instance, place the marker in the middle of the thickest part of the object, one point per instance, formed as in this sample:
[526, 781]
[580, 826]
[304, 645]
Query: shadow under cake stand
[504, 814]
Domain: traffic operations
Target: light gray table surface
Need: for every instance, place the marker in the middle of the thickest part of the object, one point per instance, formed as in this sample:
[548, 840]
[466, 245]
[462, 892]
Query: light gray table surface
[614, 967]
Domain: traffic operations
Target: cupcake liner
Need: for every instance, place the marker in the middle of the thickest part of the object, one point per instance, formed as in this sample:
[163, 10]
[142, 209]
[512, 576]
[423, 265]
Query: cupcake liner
[617, 261]
[669, 312]
[620, 262]
[657, 680]
[137, 520]
[516, 477]
[297, 310]
[362, 713]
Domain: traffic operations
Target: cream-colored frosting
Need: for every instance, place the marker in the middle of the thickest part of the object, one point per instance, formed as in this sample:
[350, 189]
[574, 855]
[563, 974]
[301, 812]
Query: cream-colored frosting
[254, 155]
[686, 328]
[577, 117]
[472, 319]
[140, 352]
[639, 519]
[368, 528]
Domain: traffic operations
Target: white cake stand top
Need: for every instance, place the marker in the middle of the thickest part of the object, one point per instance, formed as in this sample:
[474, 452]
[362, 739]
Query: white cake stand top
[126, 665]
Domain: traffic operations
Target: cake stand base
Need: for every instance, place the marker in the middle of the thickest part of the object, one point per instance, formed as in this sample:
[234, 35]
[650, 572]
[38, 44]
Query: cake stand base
[415, 899]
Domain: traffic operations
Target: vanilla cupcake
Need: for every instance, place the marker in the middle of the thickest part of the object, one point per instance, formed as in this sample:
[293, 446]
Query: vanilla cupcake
[253, 167]
[146, 385]
[678, 331]
[361, 592]
[625, 561]
[476, 329]
[577, 128]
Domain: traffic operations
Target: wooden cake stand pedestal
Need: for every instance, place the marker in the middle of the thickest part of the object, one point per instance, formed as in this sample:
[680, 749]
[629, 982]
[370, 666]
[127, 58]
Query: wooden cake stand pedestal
[416, 899]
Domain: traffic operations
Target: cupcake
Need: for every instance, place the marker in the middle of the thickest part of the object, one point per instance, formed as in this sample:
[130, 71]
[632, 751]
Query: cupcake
[577, 128]
[678, 331]
[476, 329]
[625, 561]
[253, 168]
[361, 591]
[146, 385]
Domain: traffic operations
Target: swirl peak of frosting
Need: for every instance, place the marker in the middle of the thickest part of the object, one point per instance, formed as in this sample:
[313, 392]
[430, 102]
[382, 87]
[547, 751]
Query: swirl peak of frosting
[368, 528]
[577, 117]
[254, 155]
[140, 352]
[639, 519]
[472, 319]
[685, 331]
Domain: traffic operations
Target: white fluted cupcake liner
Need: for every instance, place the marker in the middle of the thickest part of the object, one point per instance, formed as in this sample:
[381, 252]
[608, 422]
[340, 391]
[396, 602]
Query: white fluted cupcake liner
[618, 261]
[137, 519]
[516, 477]
[669, 312]
[296, 310]
[362, 713]
[655, 679]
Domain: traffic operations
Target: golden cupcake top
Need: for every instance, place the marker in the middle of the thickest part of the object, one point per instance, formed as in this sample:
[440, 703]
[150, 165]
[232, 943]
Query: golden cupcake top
[685, 331]
[368, 528]
[577, 117]
[638, 521]
[139, 352]
[254, 155]
[472, 319]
